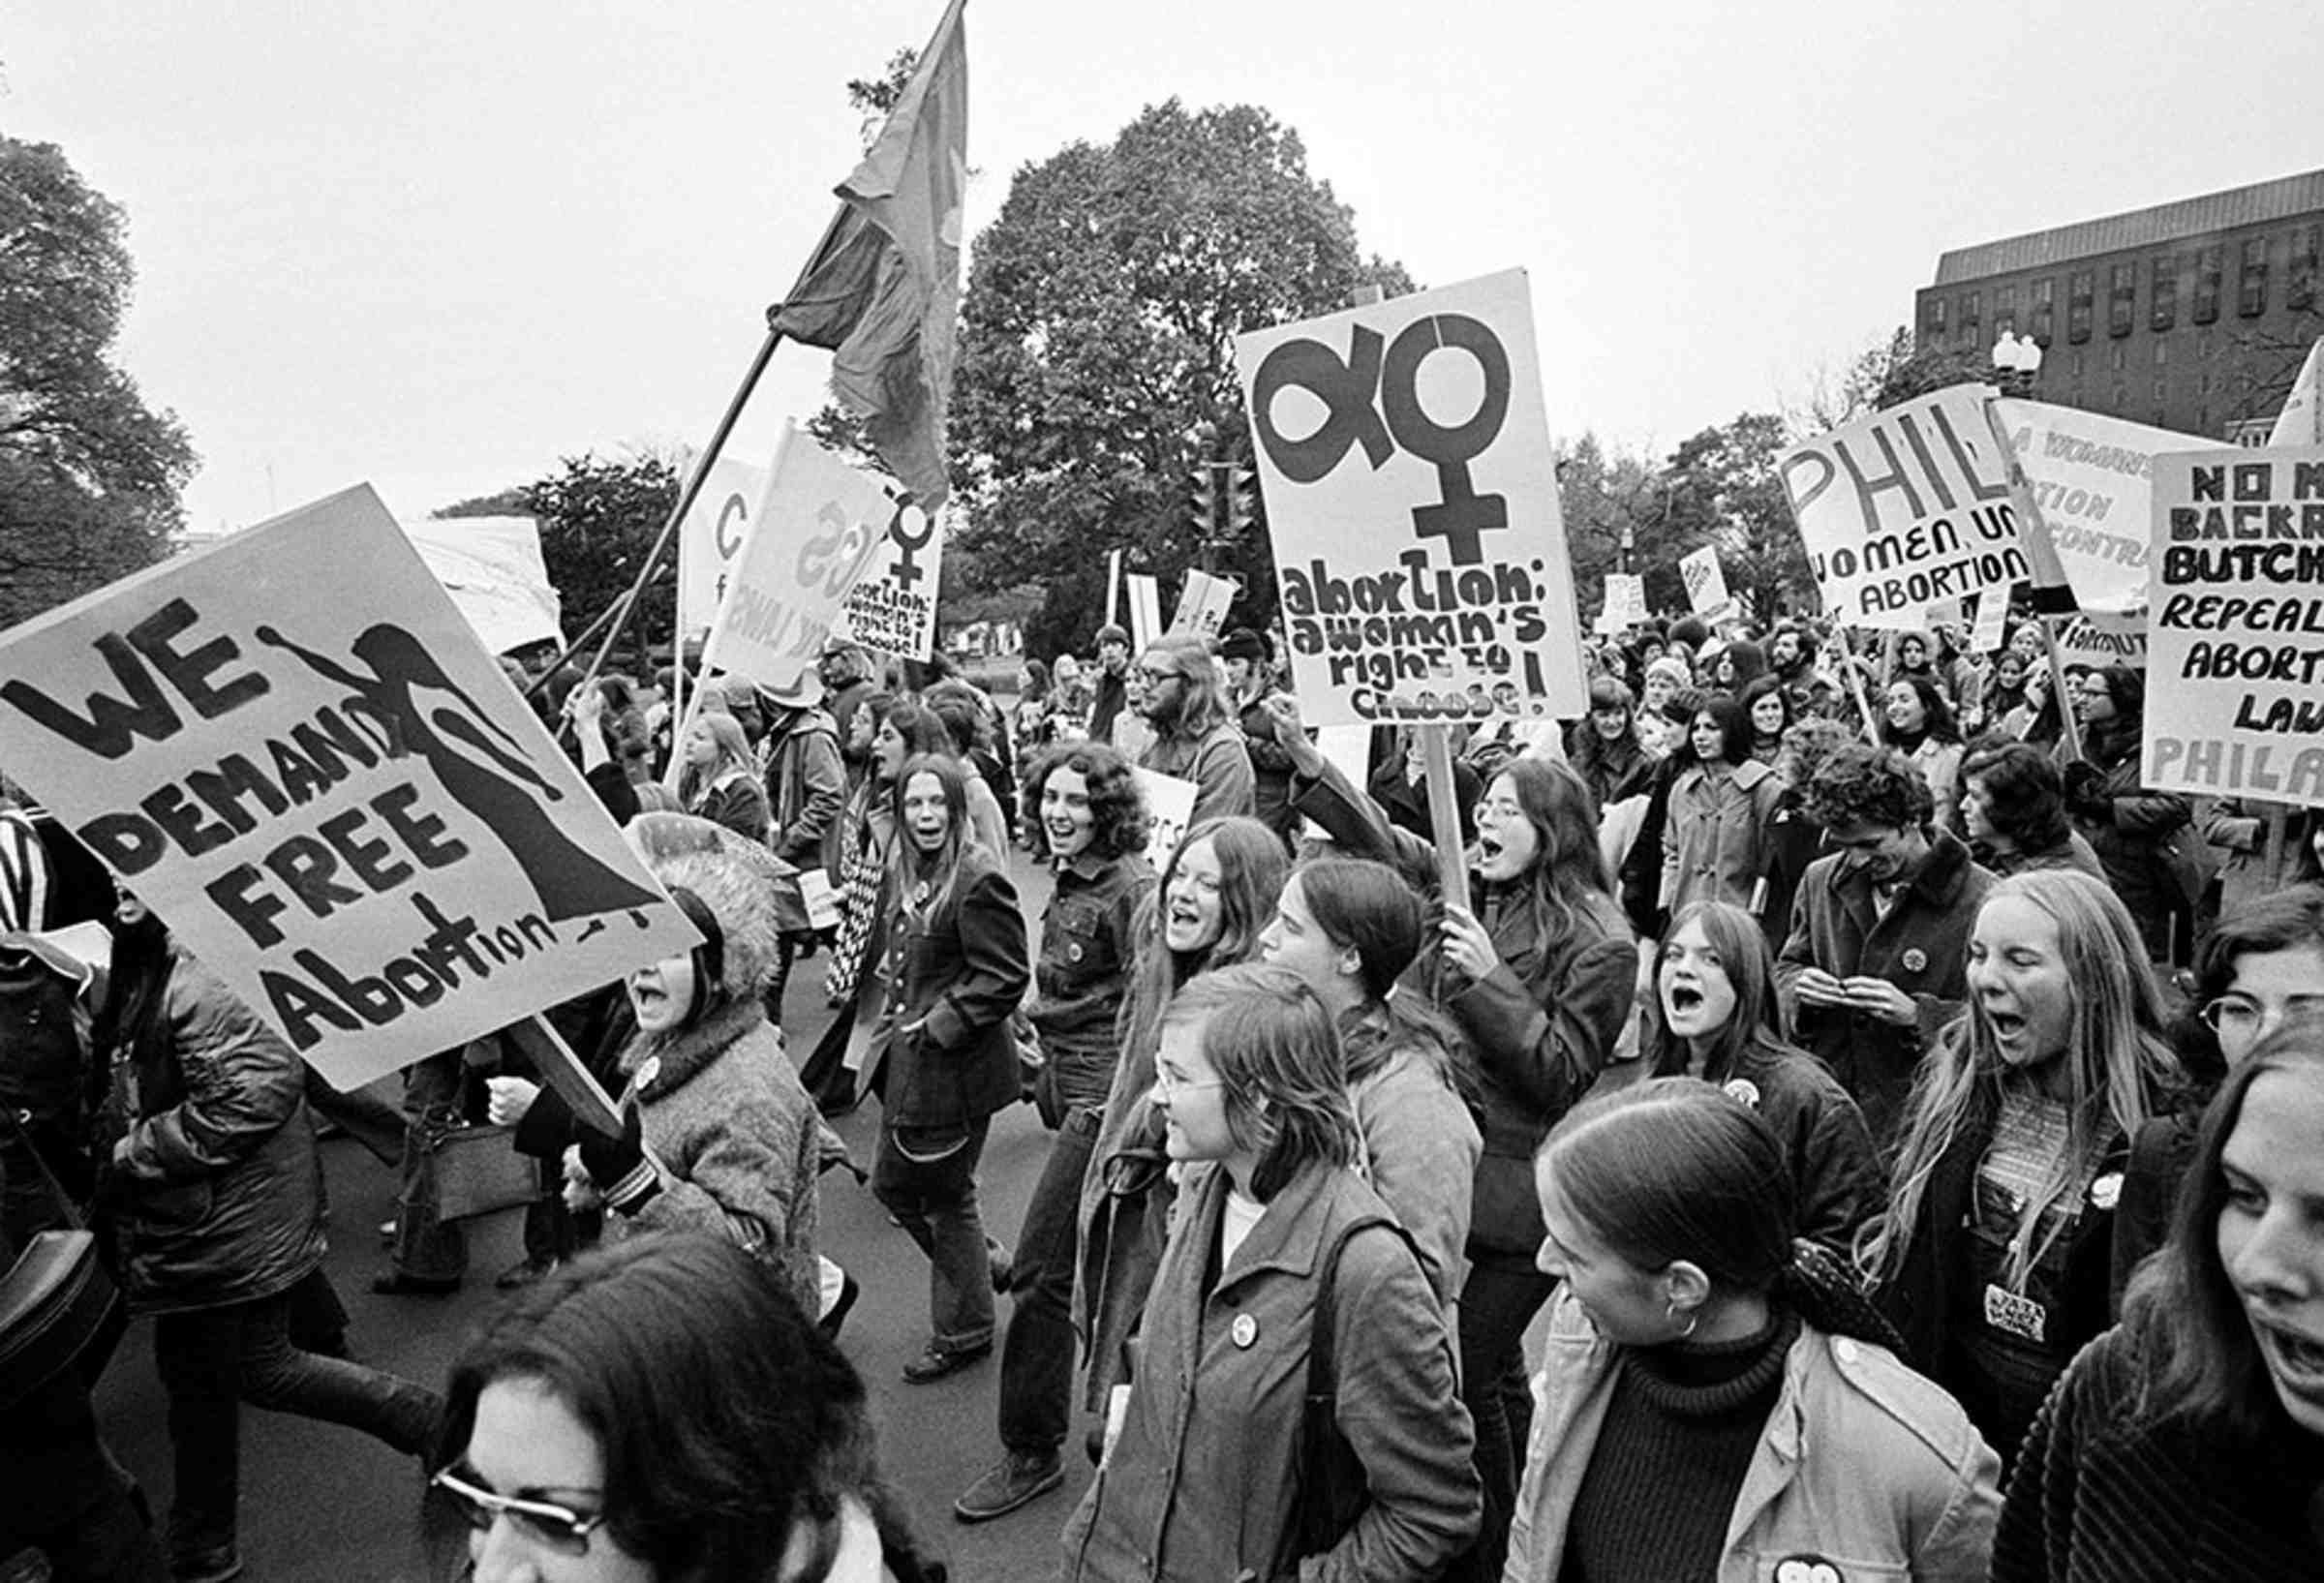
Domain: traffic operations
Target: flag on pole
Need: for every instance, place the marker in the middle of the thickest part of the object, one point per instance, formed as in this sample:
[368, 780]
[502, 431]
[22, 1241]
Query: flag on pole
[884, 290]
[2302, 420]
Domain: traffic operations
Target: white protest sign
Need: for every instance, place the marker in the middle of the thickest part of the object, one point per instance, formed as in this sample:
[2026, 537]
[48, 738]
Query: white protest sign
[711, 536]
[492, 569]
[2302, 420]
[1412, 498]
[1907, 509]
[1170, 802]
[1349, 747]
[344, 810]
[2235, 625]
[819, 527]
[1145, 611]
[1203, 604]
[1706, 584]
[893, 606]
[2098, 639]
[1993, 623]
[1625, 602]
[2089, 478]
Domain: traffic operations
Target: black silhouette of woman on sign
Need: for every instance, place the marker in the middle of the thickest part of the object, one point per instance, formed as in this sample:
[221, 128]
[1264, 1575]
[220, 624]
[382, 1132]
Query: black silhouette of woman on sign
[481, 768]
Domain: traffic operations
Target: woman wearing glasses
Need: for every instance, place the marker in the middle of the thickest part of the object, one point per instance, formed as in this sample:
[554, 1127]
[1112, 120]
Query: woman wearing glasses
[2188, 1441]
[1993, 1259]
[1207, 1478]
[663, 1412]
[2262, 964]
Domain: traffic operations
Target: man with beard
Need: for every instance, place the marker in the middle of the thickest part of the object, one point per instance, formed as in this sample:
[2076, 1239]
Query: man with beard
[1251, 682]
[1877, 958]
[1791, 654]
[1197, 736]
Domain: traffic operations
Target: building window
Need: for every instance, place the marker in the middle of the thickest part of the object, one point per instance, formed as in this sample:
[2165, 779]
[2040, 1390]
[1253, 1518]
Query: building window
[2114, 358]
[2081, 366]
[2004, 310]
[2208, 267]
[2162, 353]
[2158, 389]
[1935, 317]
[2251, 295]
[1971, 317]
[2162, 301]
[2299, 279]
[2120, 299]
[2081, 290]
[2045, 294]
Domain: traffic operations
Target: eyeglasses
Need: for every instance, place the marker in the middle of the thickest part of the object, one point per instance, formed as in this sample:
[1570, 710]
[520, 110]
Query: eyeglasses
[561, 1528]
[1154, 677]
[1167, 1087]
[2236, 1017]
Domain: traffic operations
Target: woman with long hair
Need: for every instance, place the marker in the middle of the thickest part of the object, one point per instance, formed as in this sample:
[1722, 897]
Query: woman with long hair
[1767, 706]
[718, 779]
[2013, 811]
[958, 967]
[1917, 720]
[1992, 1256]
[1028, 718]
[1277, 1246]
[1716, 1016]
[664, 1411]
[2188, 1441]
[1717, 1402]
[1349, 928]
[1722, 803]
[2141, 836]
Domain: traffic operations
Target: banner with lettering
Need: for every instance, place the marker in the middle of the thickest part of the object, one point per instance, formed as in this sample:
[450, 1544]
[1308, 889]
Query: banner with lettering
[1412, 499]
[711, 536]
[1706, 584]
[1170, 802]
[2089, 481]
[893, 606]
[817, 530]
[2235, 628]
[1907, 509]
[1203, 603]
[493, 570]
[343, 807]
[1625, 604]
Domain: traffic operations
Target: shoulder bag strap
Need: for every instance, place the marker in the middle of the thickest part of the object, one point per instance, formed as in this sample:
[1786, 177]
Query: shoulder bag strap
[1316, 1525]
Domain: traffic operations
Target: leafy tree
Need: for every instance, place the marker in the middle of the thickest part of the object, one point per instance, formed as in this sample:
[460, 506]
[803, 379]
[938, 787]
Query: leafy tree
[1888, 374]
[1723, 488]
[89, 476]
[1602, 497]
[1096, 363]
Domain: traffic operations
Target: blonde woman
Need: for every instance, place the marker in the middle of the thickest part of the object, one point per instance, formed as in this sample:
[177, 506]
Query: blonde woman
[1993, 1260]
[718, 779]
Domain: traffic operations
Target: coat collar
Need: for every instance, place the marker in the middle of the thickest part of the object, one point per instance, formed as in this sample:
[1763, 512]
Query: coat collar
[1290, 1236]
[659, 1063]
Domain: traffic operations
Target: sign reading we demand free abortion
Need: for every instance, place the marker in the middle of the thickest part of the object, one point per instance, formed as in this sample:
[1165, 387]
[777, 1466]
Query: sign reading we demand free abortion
[1412, 501]
[2235, 625]
[1910, 507]
[342, 807]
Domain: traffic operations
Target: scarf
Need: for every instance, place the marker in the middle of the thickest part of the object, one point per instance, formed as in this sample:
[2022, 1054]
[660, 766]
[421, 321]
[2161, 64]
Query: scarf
[859, 911]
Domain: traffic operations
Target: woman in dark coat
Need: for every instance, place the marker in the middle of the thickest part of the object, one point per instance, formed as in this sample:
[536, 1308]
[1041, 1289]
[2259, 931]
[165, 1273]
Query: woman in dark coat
[959, 966]
[2141, 836]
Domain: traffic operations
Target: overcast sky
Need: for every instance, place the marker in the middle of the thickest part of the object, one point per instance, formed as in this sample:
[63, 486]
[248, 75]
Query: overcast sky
[438, 246]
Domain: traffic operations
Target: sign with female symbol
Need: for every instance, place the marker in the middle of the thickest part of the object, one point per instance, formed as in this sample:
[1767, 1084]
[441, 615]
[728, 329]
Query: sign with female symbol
[1412, 498]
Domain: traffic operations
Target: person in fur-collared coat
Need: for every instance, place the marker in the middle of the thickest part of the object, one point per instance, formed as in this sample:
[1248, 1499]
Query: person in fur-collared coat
[719, 1134]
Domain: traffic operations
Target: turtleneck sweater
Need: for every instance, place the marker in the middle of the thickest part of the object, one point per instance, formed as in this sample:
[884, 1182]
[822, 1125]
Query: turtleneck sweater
[1679, 1433]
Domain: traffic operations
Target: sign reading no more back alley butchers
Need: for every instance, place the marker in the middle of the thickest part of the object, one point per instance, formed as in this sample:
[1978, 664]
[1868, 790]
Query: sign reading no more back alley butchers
[1412, 499]
[341, 806]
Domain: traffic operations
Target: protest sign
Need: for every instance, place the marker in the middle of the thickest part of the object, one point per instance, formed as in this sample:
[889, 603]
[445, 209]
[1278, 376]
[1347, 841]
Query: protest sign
[2235, 625]
[1993, 623]
[1625, 604]
[710, 537]
[893, 606]
[1906, 509]
[2099, 639]
[1706, 584]
[345, 811]
[1145, 610]
[1170, 802]
[817, 527]
[1412, 499]
[492, 569]
[2089, 477]
[1203, 604]
[2302, 420]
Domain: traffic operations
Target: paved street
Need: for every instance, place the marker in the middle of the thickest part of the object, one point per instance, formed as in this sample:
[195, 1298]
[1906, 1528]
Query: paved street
[328, 1505]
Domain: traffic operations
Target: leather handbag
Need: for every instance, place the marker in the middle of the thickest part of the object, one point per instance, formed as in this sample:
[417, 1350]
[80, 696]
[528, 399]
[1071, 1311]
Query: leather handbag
[57, 1301]
[1330, 1489]
[480, 1172]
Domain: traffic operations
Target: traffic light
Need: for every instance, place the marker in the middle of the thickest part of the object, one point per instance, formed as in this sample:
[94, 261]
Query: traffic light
[1204, 500]
[1240, 509]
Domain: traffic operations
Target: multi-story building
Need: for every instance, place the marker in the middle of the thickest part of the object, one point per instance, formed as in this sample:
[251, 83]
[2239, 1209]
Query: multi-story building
[2193, 315]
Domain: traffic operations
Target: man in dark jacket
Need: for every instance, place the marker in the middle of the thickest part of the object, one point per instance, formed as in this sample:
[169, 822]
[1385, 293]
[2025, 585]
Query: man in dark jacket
[1877, 958]
[1250, 682]
[806, 787]
[1113, 687]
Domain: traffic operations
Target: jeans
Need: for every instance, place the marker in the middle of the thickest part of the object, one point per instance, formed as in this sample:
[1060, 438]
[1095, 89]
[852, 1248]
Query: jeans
[1037, 1356]
[1503, 1293]
[426, 1246]
[934, 1201]
[216, 1358]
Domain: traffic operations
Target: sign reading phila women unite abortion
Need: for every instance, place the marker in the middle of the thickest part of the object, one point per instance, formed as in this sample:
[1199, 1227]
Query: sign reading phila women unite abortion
[1412, 498]
[293, 748]
[2235, 625]
[1910, 507]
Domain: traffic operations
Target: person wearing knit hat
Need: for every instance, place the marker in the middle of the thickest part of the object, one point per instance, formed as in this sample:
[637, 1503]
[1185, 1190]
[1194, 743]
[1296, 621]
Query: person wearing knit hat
[718, 1133]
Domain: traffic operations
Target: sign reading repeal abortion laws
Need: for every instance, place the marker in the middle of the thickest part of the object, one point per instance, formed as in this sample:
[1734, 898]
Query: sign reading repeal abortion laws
[816, 532]
[344, 808]
[1907, 509]
[893, 605]
[2235, 625]
[1412, 498]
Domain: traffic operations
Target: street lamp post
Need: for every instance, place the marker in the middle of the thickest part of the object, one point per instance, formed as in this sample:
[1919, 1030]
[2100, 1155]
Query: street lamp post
[2016, 360]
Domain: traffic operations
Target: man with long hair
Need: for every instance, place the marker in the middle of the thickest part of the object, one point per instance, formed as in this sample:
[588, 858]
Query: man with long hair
[1197, 736]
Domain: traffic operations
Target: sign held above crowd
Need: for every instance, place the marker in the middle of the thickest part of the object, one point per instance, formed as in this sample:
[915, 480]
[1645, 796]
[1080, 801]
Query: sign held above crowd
[351, 817]
[1412, 501]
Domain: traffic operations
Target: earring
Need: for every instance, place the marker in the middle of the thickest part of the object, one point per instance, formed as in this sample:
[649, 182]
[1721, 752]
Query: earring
[1670, 1311]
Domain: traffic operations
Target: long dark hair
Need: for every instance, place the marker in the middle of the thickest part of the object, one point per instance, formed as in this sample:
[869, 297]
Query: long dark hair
[1118, 813]
[724, 1419]
[1252, 864]
[1938, 722]
[2025, 794]
[2198, 1362]
[1727, 712]
[1569, 869]
[942, 870]
[1364, 906]
[1757, 1020]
